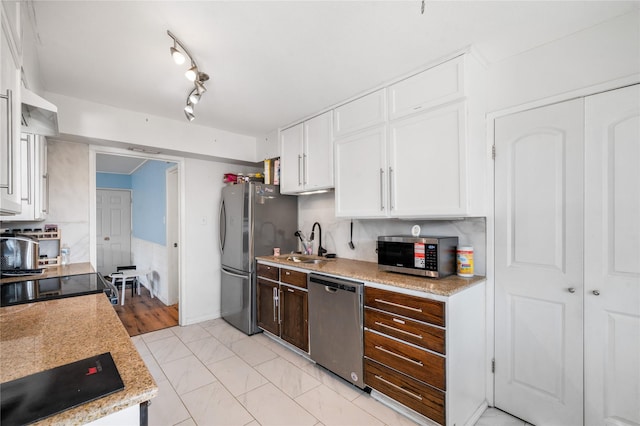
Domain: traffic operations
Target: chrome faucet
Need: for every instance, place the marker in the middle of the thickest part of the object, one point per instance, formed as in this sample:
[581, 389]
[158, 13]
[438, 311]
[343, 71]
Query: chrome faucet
[321, 250]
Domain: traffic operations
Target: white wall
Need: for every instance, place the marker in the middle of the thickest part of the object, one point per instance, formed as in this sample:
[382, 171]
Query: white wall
[602, 53]
[86, 119]
[148, 255]
[200, 293]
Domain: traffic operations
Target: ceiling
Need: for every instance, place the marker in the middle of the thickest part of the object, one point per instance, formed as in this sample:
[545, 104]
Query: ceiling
[119, 164]
[272, 63]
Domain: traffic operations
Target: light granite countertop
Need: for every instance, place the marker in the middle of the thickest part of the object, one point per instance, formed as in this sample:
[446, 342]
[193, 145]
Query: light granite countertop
[368, 271]
[55, 271]
[39, 336]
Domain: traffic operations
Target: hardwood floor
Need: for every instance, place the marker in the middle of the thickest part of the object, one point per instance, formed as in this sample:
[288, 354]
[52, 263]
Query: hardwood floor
[142, 314]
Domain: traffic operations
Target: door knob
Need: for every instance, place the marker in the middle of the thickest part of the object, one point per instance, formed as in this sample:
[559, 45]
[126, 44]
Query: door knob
[175, 244]
[596, 292]
[571, 290]
[107, 238]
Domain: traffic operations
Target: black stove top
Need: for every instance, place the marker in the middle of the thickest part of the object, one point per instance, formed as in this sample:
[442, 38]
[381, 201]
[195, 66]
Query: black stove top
[38, 290]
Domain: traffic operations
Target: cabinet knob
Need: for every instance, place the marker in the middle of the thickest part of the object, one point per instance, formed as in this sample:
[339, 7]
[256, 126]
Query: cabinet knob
[596, 292]
[571, 290]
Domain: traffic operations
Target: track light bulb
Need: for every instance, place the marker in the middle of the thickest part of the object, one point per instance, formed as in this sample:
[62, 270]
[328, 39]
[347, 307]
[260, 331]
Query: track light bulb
[191, 73]
[189, 108]
[177, 56]
[200, 87]
[189, 115]
[194, 97]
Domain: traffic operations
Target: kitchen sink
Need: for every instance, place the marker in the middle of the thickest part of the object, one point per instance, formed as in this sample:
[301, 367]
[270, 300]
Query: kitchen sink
[303, 259]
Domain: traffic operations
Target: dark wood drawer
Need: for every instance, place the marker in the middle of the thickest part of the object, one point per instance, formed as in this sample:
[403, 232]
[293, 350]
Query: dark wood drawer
[267, 271]
[417, 363]
[415, 332]
[296, 278]
[418, 308]
[424, 399]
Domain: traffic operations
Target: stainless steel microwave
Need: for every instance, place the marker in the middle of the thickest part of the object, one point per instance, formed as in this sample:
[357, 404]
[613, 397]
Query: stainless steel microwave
[425, 256]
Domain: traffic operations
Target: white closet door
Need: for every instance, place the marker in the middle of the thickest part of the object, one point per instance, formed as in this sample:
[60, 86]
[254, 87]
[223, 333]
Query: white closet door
[612, 258]
[539, 264]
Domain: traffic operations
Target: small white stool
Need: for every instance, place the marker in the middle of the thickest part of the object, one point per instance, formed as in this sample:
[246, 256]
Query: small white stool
[131, 273]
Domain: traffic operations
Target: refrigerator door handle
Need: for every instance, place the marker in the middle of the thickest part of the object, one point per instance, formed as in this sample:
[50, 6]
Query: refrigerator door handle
[234, 275]
[223, 225]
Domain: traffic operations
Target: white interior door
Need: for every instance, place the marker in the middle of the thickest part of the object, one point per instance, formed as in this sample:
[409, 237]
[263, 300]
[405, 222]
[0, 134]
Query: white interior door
[612, 258]
[113, 229]
[173, 236]
[539, 265]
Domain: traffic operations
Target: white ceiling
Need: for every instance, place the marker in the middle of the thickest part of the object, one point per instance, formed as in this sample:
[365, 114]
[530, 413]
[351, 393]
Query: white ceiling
[106, 163]
[272, 63]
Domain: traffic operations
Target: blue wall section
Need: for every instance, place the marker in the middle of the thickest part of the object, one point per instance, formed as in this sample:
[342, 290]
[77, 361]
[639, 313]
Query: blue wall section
[113, 181]
[149, 201]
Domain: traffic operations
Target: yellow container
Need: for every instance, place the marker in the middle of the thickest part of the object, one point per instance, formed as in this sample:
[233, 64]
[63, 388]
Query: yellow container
[465, 261]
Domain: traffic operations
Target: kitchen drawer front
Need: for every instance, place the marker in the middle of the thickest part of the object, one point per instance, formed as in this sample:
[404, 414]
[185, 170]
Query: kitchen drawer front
[428, 401]
[418, 308]
[268, 271]
[418, 333]
[299, 279]
[418, 363]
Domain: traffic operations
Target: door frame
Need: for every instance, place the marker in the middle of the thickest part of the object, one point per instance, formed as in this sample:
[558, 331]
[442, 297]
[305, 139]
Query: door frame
[174, 170]
[180, 163]
[490, 201]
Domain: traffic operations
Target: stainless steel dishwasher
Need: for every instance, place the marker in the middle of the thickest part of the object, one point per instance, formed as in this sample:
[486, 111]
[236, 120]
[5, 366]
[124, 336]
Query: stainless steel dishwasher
[335, 326]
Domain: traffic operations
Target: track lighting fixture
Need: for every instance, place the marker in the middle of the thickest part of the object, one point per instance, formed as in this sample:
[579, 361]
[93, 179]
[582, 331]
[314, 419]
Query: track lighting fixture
[193, 74]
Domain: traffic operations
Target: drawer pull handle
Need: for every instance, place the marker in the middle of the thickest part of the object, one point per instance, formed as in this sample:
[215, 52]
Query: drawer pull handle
[380, 348]
[287, 273]
[290, 290]
[398, 305]
[417, 336]
[401, 389]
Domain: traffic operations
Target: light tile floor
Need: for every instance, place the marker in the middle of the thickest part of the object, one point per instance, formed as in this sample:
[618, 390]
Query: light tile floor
[212, 374]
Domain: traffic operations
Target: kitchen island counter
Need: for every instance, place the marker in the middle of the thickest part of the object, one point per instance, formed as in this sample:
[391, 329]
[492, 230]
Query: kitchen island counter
[368, 271]
[39, 336]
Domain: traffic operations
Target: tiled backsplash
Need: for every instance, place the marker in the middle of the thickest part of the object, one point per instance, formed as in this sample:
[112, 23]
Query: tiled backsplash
[335, 231]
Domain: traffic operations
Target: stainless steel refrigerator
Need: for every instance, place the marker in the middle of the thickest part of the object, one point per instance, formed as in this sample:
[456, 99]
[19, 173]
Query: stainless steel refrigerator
[254, 219]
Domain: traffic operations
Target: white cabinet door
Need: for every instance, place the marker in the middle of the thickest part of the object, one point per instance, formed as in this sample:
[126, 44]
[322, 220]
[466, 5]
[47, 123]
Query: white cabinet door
[427, 170]
[435, 86]
[318, 153]
[361, 113]
[10, 193]
[361, 189]
[612, 258]
[291, 161]
[539, 264]
[31, 182]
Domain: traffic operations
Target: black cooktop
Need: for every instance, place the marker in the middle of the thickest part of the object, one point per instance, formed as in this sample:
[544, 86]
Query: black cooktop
[41, 289]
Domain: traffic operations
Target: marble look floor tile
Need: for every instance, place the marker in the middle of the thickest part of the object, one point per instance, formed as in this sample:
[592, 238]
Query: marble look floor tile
[157, 335]
[140, 345]
[167, 408]
[287, 377]
[190, 333]
[188, 422]
[213, 405]
[154, 367]
[271, 407]
[236, 375]
[169, 349]
[225, 333]
[332, 381]
[381, 412]
[210, 350]
[291, 355]
[252, 352]
[187, 374]
[495, 417]
[332, 409]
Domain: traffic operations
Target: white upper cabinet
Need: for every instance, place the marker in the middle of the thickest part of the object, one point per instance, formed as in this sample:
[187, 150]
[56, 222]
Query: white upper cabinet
[432, 87]
[306, 155]
[426, 158]
[34, 179]
[361, 174]
[427, 173]
[360, 113]
[10, 64]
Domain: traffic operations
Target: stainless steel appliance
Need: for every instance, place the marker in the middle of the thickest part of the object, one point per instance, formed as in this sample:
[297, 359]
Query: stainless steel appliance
[335, 326]
[425, 256]
[254, 219]
[18, 253]
[38, 290]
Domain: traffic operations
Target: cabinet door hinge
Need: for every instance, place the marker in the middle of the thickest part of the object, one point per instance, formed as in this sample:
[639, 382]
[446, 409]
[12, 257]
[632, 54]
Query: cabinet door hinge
[493, 152]
[493, 365]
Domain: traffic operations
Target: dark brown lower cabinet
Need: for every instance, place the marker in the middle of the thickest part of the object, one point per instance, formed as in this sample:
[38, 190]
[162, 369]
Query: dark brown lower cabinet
[268, 296]
[294, 314]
